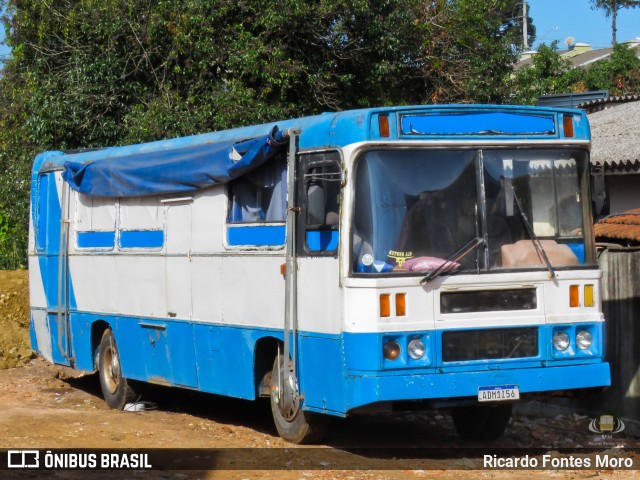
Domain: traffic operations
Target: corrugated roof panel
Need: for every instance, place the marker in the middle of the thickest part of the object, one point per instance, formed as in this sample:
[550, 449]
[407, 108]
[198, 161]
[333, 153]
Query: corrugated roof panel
[619, 228]
[614, 138]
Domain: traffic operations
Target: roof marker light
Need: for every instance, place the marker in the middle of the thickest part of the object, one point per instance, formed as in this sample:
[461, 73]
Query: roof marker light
[383, 124]
[568, 126]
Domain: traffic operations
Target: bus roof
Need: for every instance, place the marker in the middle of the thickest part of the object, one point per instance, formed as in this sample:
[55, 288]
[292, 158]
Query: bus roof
[338, 129]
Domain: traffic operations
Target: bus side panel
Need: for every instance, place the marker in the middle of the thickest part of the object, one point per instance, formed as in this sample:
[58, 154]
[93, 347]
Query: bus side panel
[321, 373]
[225, 359]
[168, 350]
[152, 350]
[81, 341]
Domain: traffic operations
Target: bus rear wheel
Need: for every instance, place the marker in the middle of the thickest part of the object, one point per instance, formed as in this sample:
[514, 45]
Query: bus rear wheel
[293, 424]
[483, 423]
[115, 388]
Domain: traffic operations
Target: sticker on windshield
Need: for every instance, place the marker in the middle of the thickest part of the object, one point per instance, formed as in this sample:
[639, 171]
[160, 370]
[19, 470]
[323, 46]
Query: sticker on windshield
[367, 259]
[400, 257]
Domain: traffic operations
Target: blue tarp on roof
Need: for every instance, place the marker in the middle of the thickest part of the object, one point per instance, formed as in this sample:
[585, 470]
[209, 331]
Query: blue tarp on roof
[173, 171]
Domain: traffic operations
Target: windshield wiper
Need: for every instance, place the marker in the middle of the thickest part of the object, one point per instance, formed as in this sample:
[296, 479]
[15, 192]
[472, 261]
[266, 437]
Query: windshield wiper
[454, 257]
[534, 238]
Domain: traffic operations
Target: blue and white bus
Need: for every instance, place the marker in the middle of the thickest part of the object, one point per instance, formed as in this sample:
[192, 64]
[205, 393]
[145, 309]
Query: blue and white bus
[401, 257]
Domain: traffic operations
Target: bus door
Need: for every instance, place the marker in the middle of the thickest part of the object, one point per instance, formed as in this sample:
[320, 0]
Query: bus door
[312, 289]
[318, 343]
[52, 232]
[168, 343]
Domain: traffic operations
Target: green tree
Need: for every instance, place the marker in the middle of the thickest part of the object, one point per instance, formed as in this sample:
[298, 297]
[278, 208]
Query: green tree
[619, 73]
[468, 49]
[548, 73]
[611, 8]
[94, 73]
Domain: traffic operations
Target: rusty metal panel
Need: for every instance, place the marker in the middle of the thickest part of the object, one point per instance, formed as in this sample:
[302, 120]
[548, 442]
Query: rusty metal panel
[621, 228]
[621, 306]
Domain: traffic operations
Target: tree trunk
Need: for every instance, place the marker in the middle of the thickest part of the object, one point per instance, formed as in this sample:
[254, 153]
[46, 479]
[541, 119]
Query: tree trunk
[614, 28]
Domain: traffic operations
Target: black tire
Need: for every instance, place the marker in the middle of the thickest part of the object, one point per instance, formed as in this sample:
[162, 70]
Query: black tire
[296, 426]
[115, 388]
[483, 423]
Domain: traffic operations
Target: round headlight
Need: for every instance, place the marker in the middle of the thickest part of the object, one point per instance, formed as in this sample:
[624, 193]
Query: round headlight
[391, 350]
[416, 349]
[561, 341]
[584, 339]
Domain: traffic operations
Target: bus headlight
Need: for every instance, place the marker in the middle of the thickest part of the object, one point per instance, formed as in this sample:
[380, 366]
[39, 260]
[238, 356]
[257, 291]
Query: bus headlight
[561, 341]
[416, 349]
[584, 339]
[391, 350]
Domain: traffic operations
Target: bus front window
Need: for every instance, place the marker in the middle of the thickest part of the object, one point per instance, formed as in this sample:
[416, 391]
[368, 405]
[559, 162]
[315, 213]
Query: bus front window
[415, 208]
[543, 186]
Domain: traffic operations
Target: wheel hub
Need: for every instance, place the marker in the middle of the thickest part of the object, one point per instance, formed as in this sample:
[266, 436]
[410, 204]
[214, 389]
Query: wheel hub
[286, 395]
[112, 370]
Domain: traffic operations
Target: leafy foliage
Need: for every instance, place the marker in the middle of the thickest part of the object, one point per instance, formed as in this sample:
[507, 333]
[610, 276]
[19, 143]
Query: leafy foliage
[550, 73]
[89, 73]
[468, 49]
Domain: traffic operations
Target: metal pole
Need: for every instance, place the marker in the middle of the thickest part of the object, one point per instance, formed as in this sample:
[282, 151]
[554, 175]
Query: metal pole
[525, 33]
[291, 274]
[62, 314]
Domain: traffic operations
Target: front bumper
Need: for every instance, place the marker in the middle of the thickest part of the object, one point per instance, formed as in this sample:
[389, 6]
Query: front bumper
[366, 388]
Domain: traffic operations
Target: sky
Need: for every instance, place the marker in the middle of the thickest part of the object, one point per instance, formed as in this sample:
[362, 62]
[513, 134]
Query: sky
[558, 20]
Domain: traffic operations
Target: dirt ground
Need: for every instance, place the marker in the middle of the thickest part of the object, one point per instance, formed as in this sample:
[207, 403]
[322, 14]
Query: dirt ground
[45, 406]
[15, 346]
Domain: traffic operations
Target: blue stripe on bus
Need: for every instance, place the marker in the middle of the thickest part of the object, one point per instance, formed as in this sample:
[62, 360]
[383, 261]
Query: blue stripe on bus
[96, 239]
[219, 359]
[261, 235]
[322, 240]
[141, 238]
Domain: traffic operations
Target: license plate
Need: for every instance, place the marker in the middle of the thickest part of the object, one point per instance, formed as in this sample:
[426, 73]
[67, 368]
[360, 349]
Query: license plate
[498, 393]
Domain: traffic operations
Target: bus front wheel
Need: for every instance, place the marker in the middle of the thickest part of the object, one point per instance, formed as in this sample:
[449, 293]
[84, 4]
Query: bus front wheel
[293, 424]
[483, 423]
[115, 389]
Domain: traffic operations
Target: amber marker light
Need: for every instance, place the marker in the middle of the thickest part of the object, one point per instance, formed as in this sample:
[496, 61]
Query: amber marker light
[574, 296]
[401, 305]
[383, 124]
[385, 305]
[588, 296]
[567, 121]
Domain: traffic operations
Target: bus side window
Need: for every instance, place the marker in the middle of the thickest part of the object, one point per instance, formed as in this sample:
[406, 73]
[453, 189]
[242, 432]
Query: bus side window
[322, 180]
[95, 223]
[257, 204]
[260, 197]
[42, 206]
[142, 222]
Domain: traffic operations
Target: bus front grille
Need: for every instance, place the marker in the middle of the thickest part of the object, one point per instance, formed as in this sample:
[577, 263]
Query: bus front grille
[489, 344]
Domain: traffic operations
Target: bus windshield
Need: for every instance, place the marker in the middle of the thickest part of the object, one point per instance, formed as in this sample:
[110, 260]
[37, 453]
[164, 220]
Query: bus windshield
[414, 209]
